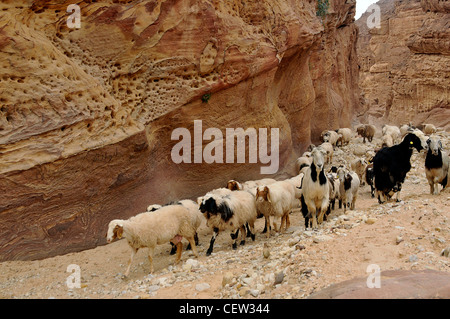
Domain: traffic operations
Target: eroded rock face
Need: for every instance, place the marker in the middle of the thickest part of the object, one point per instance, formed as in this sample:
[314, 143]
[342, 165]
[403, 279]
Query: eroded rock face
[404, 64]
[87, 114]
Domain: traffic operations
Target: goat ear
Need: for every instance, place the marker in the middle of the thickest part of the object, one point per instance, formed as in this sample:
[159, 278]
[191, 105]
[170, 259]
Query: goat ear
[440, 145]
[266, 190]
[118, 231]
[257, 192]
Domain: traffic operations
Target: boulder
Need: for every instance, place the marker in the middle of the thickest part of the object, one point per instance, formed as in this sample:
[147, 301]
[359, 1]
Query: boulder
[394, 284]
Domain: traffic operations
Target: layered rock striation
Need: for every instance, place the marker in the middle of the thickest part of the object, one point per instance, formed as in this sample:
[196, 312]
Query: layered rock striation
[404, 64]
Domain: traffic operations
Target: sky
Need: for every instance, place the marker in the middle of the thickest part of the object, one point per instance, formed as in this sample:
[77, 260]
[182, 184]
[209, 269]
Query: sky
[361, 7]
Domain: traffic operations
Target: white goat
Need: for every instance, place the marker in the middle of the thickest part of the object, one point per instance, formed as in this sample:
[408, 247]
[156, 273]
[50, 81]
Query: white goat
[344, 136]
[387, 141]
[315, 191]
[248, 185]
[169, 223]
[277, 200]
[437, 164]
[302, 163]
[429, 129]
[196, 216]
[334, 189]
[296, 181]
[330, 137]
[348, 189]
[391, 130]
[405, 129]
[328, 149]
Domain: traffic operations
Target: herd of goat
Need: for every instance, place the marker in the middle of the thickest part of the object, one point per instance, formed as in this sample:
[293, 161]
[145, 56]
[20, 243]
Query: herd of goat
[236, 207]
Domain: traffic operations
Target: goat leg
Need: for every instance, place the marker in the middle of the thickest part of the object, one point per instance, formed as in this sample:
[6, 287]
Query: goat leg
[243, 234]
[179, 250]
[211, 243]
[133, 252]
[192, 243]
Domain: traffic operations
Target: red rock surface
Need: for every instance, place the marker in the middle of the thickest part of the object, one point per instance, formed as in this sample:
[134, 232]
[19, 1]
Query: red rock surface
[404, 65]
[86, 114]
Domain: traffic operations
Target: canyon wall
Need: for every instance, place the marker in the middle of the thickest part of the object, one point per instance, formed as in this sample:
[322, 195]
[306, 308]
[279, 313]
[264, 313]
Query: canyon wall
[404, 64]
[87, 113]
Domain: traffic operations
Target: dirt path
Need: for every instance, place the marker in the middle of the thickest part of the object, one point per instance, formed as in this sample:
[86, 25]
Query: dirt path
[406, 235]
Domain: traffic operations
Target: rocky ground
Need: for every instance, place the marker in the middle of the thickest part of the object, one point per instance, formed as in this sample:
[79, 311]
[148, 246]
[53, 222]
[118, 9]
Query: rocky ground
[411, 234]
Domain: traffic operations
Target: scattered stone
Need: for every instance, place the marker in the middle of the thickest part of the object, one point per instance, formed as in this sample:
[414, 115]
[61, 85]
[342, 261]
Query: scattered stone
[308, 233]
[445, 252]
[254, 292]
[187, 267]
[371, 220]
[248, 281]
[244, 291]
[203, 286]
[227, 278]
[279, 276]
[413, 258]
[266, 251]
[398, 240]
[153, 288]
[306, 272]
[192, 262]
[437, 240]
[269, 277]
[321, 238]
[359, 150]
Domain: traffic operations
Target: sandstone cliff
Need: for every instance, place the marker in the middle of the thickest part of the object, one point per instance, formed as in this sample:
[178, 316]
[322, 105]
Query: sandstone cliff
[87, 113]
[404, 65]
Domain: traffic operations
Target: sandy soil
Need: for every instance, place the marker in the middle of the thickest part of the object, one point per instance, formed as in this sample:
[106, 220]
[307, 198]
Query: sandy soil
[406, 235]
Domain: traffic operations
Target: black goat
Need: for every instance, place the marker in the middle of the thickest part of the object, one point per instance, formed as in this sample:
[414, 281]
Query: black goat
[391, 164]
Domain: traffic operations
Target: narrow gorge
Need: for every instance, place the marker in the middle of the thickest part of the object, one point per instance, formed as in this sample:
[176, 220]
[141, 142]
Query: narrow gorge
[87, 113]
[404, 64]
